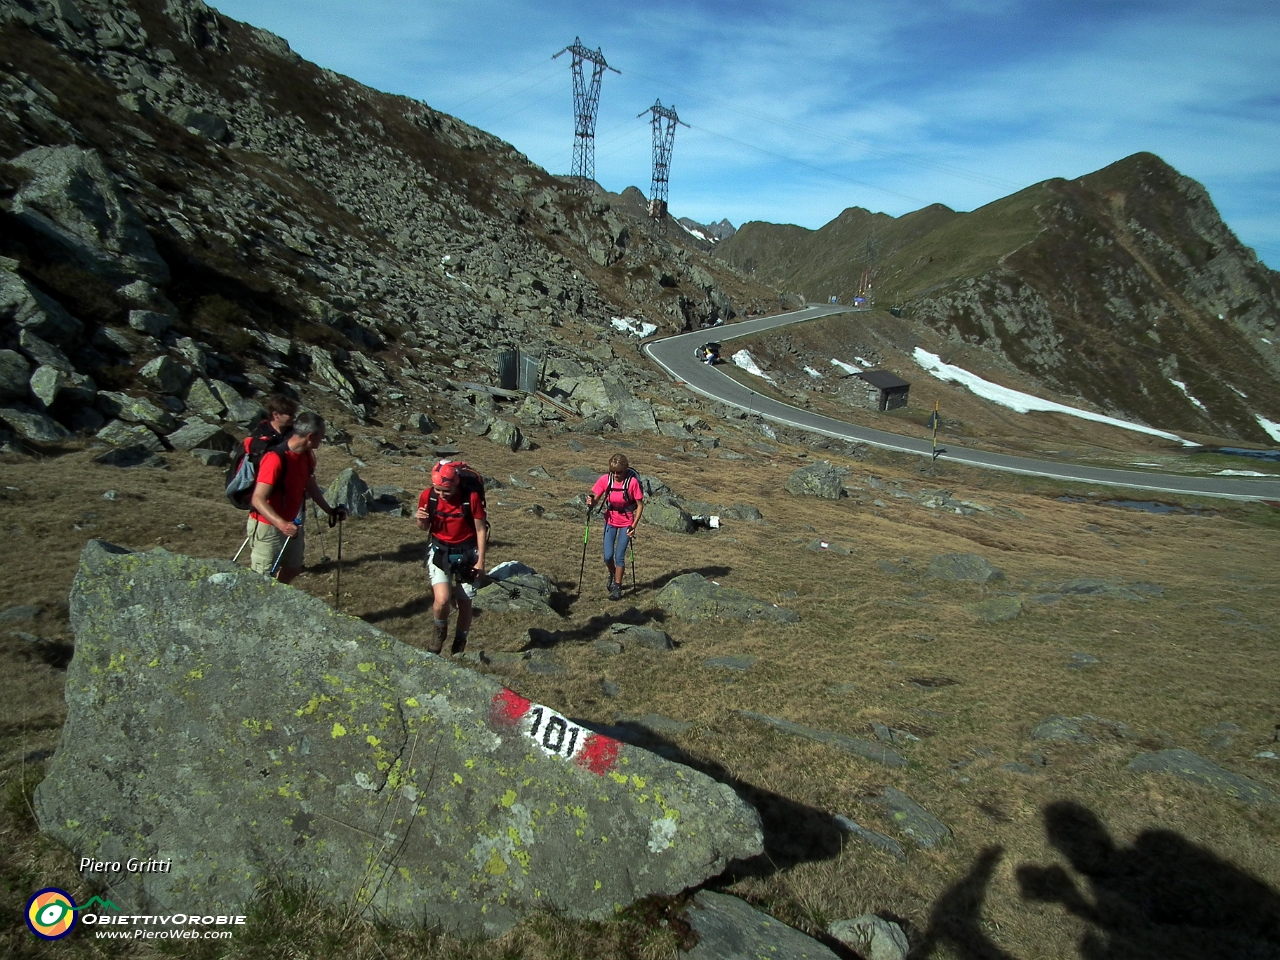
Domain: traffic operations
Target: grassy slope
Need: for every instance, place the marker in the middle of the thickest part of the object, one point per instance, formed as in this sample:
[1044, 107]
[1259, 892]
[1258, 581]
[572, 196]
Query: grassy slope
[1171, 666]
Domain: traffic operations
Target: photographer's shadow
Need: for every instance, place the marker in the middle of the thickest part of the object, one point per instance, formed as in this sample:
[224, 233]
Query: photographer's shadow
[1161, 898]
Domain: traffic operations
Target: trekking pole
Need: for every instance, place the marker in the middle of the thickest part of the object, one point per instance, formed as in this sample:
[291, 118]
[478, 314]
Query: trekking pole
[337, 584]
[586, 534]
[280, 556]
[632, 544]
[242, 546]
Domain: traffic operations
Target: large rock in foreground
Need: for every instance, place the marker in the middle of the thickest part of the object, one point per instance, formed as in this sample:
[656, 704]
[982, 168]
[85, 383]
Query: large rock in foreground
[244, 731]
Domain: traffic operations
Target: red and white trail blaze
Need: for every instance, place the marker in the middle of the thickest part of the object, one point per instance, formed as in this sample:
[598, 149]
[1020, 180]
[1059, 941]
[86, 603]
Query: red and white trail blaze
[554, 734]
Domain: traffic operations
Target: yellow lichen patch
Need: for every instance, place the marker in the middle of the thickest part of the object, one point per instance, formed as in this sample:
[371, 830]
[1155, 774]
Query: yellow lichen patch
[196, 674]
[508, 798]
[457, 778]
[338, 730]
[618, 778]
[638, 782]
[597, 886]
[404, 873]
[496, 865]
[366, 667]
[371, 740]
[312, 705]
[471, 763]
[411, 702]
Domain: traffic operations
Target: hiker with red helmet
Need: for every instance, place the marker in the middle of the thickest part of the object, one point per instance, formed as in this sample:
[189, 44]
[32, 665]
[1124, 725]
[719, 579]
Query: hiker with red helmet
[453, 512]
[623, 499]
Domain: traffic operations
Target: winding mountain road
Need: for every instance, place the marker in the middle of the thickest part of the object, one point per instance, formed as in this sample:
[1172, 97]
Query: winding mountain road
[675, 356]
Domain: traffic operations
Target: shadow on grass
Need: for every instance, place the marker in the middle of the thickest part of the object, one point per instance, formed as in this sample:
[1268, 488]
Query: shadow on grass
[794, 833]
[1160, 898]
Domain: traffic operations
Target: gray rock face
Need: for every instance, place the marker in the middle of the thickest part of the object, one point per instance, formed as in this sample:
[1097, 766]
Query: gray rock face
[816, 480]
[665, 514]
[206, 124]
[962, 566]
[135, 410]
[878, 840]
[14, 375]
[74, 200]
[245, 731]
[1205, 773]
[691, 596]
[732, 929]
[874, 938]
[200, 435]
[32, 425]
[1086, 729]
[32, 310]
[201, 399]
[166, 374]
[121, 434]
[912, 819]
[350, 491]
[150, 322]
[996, 609]
[637, 636]
[506, 434]
[517, 588]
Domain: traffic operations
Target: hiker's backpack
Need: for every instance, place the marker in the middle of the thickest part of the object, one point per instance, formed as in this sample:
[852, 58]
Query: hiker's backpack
[469, 482]
[242, 475]
[628, 501]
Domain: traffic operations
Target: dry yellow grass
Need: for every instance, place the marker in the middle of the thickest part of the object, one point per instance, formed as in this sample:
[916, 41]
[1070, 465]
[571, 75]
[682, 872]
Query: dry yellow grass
[1203, 653]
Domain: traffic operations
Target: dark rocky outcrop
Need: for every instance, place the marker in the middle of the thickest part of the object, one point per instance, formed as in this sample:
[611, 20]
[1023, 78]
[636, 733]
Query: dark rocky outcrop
[243, 730]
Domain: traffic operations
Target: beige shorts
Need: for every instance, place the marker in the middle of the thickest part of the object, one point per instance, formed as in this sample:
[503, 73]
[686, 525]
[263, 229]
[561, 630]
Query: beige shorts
[266, 541]
[439, 576]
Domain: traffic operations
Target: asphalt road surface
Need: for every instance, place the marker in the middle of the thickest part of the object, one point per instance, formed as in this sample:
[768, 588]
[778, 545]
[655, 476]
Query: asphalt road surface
[675, 356]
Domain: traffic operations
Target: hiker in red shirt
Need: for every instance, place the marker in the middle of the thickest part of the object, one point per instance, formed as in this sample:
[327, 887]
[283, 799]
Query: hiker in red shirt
[276, 425]
[455, 518]
[286, 476]
[623, 504]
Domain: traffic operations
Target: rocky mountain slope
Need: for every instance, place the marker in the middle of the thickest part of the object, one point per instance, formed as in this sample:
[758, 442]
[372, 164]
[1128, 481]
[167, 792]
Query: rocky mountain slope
[1123, 287]
[189, 209]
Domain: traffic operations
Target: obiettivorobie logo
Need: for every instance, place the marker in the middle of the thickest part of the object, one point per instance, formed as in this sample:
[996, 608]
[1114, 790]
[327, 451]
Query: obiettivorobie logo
[51, 913]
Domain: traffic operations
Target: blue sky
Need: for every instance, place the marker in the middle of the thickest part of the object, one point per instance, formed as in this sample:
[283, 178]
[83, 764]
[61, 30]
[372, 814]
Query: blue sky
[799, 110]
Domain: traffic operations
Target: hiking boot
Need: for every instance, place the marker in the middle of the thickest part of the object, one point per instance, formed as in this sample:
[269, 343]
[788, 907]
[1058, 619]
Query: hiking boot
[436, 643]
[459, 644]
[615, 590]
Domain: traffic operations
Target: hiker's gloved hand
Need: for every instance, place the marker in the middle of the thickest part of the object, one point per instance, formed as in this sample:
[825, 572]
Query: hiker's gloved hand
[341, 512]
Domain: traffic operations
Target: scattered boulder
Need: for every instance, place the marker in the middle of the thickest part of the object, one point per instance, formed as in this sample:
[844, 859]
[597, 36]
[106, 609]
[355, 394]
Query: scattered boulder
[74, 201]
[121, 434]
[738, 663]
[996, 609]
[135, 410]
[201, 399]
[691, 596]
[822, 480]
[166, 374]
[866, 749]
[196, 434]
[638, 636]
[1086, 729]
[665, 514]
[878, 840]
[150, 322]
[962, 566]
[335, 726]
[15, 375]
[206, 124]
[350, 491]
[33, 425]
[872, 937]
[506, 434]
[134, 456]
[32, 310]
[1205, 773]
[1095, 587]
[912, 819]
[732, 929]
[516, 588]
[239, 410]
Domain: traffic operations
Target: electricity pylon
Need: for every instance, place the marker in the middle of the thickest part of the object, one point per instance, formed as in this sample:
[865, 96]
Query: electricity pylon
[586, 102]
[664, 138]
